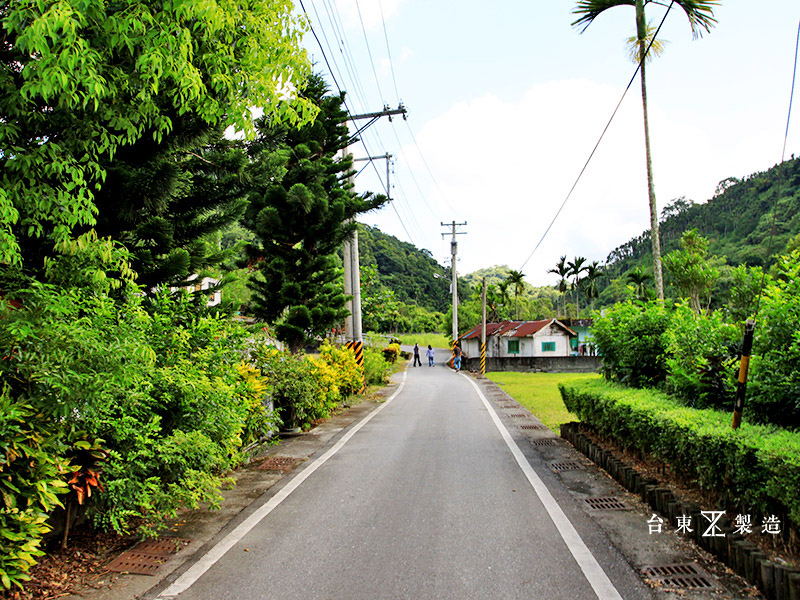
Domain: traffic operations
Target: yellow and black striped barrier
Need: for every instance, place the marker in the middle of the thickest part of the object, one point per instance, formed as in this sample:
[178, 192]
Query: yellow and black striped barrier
[483, 359]
[358, 351]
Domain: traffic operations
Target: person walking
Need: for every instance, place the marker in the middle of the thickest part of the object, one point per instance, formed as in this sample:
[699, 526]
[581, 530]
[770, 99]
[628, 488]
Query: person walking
[416, 355]
[430, 356]
[457, 358]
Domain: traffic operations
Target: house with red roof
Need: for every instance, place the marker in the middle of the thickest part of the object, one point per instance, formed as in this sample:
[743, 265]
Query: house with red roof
[520, 339]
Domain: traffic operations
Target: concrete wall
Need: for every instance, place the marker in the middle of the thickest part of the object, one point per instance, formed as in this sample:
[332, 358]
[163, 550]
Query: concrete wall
[549, 364]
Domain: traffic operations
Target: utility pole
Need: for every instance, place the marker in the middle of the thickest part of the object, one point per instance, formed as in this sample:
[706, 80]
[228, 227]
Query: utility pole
[483, 327]
[352, 274]
[454, 285]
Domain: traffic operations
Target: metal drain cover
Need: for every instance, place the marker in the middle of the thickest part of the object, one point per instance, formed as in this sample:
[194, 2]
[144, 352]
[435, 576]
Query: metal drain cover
[278, 463]
[544, 442]
[532, 426]
[518, 415]
[683, 576]
[565, 466]
[606, 503]
[146, 557]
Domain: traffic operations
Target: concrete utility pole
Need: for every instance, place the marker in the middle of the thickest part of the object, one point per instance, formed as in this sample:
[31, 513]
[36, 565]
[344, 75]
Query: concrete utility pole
[454, 285]
[352, 273]
[483, 327]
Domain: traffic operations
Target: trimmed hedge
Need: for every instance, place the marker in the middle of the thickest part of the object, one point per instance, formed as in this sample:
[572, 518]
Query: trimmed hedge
[754, 469]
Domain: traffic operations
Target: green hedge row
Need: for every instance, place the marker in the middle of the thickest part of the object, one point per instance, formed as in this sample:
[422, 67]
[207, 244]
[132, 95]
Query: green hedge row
[755, 469]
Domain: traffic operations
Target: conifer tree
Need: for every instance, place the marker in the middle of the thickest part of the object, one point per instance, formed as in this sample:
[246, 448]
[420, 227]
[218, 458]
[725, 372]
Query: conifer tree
[301, 219]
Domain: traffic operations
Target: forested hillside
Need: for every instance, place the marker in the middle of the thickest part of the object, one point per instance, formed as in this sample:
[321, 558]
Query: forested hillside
[412, 273]
[738, 222]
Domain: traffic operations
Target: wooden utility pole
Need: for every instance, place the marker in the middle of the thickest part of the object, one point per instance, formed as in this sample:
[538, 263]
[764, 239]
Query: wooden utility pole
[454, 285]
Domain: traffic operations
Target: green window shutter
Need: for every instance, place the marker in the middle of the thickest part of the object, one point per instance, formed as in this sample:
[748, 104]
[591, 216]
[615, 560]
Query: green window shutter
[513, 346]
[548, 346]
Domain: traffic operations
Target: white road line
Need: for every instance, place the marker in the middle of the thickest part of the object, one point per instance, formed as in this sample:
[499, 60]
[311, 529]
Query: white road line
[593, 572]
[220, 548]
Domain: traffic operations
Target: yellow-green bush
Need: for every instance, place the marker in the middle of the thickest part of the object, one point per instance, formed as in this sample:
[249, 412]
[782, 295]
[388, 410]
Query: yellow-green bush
[350, 375]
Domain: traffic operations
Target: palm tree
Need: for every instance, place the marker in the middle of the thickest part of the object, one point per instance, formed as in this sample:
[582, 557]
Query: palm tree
[502, 294]
[516, 279]
[575, 268]
[638, 279]
[593, 273]
[562, 271]
[701, 17]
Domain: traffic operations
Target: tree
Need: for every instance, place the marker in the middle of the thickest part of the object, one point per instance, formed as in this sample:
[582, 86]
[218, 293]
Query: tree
[502, 295]
[639, 279]
[165, 200]
[575, 268]
[562, 271]
[301, 219]
[593, 272]
[701, 17]
[83, 78]
[693, 271]
[517, 281]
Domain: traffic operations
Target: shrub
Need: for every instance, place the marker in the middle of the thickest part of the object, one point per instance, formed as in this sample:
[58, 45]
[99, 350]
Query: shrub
[391, 352]
[630, 338]
[701, 358]
[755, 467]
[775, 376]
[30, 479]
[294, 386]
[350, 376]
[376, 367]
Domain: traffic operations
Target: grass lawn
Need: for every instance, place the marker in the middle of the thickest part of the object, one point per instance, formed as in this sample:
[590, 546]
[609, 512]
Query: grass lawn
[437, 340]
[538, 392]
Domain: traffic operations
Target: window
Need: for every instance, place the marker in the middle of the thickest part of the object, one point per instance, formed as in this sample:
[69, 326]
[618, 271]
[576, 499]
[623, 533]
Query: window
[513, 346]
[548, 346]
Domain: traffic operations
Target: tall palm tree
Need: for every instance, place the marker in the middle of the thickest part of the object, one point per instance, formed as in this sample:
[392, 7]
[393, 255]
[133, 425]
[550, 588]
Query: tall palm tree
[593, 273]
[701, 17]
[562, 271]
[502, 294]
[516, 280]
[576, 267]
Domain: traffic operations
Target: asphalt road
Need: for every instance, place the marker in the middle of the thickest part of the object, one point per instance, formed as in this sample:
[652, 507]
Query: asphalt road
[425, 500]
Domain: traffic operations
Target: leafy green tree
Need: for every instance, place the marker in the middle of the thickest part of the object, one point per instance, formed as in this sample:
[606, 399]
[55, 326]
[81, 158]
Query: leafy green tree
[693, 271]
[576, 267]
[562, 270]
[637, 279]
[591, 288]
[301, 220]
[83, 78]
[167, 200]
[701, 17]
[516, 279]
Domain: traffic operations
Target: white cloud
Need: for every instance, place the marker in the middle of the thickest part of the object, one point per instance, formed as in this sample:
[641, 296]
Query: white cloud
[509, 165]
[371, 12]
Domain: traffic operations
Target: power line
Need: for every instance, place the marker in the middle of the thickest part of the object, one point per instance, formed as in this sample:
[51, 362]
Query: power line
[369, 52]
[389, 52]
[600, 139]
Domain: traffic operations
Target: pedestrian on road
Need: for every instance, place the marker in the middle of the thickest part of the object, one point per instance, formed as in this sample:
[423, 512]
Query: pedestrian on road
[416, 355]
[430, 356]
[457, 358]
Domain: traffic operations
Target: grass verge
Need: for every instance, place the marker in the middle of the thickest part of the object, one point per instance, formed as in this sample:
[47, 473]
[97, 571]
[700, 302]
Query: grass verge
[437, 340]
[538, 392]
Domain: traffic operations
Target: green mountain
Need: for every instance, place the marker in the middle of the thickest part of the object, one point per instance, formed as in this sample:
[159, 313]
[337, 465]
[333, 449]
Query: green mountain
[413, 274]
[748, 221]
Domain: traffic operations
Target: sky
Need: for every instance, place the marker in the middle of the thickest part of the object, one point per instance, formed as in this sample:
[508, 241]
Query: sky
[505, 102]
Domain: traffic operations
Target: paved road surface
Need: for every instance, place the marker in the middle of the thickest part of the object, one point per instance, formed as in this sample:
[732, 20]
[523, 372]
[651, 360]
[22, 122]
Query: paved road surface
[425, 500]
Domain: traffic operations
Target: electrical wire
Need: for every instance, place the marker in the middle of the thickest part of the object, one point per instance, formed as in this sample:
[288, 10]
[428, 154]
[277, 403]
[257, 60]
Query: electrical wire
[602, 135]
[389, 52]
[369, 52]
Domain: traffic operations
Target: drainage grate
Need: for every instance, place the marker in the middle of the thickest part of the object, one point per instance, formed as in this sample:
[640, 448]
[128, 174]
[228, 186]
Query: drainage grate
[162, 547]
[606, 503]
[518, 415]
[565, 466]
[146, 557]
[545, 442]
[532, 426]
[683, 576]
[278, 463]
